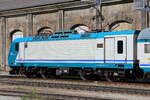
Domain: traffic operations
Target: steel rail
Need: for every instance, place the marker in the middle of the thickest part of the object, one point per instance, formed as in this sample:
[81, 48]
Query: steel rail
[47, 95]
[78, 87]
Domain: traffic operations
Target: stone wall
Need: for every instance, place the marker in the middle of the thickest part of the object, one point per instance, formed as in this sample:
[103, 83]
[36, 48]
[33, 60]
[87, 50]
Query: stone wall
[123, 13]
[80, 16]
[45, 20]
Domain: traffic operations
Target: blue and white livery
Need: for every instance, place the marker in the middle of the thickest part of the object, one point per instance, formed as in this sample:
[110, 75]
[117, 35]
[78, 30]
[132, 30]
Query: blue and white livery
[109, 55]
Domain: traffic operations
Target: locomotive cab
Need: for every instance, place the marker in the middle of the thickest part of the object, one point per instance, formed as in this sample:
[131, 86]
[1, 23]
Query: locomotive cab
[14, 48]
[143, 42]
[13, 53]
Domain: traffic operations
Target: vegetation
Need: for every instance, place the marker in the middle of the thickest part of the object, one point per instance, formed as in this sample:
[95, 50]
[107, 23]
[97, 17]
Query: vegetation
[33, 96]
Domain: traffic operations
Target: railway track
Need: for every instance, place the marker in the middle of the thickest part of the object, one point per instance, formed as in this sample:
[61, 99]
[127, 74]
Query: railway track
[12, 76]
[77, 87]
[47, 95]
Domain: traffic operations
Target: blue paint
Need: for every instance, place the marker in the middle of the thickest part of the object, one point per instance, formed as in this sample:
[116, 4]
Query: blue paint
[12, 55]
[74, 36]
[146, 69]
[143, 41]
[79, 65]
[144, 64]
[78, 60]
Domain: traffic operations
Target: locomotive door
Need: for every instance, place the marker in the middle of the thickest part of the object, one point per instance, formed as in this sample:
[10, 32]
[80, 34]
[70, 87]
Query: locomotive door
[21, 51]
[109, 50]
[120, 49]
[115, 49]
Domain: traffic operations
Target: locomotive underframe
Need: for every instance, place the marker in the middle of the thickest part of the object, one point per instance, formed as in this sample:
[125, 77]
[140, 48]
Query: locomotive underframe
[83, 73]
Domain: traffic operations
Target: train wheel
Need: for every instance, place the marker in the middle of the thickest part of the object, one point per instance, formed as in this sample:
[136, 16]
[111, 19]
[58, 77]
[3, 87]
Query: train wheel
[40, 74]
[82, 76]
[107, 76]
[30, 75]
[43, 75]
[49, 75]
[111, 78]
[86, 76]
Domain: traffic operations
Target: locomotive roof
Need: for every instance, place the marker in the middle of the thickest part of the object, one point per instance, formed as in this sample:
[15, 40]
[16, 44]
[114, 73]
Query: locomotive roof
[56, 37]
[144, 34]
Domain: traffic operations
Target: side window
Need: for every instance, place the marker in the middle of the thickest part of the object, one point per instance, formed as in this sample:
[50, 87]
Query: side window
[120, 47]
[99, 45]
[17, 46]
[147, 48]
[25, 45]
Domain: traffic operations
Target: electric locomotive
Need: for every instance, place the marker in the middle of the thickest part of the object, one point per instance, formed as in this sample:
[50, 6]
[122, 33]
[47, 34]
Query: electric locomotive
[101, 55]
